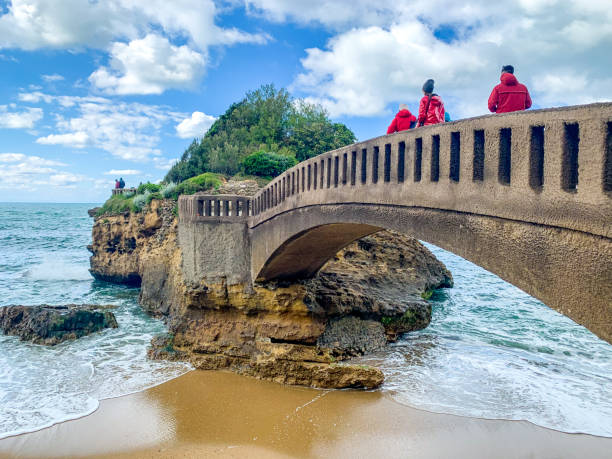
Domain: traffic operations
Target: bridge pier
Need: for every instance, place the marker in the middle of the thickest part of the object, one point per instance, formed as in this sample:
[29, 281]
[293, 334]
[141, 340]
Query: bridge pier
[215, 247]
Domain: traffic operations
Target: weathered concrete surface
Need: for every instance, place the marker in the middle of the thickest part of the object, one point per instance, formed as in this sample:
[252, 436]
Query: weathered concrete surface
[526, 195]
[217, 252]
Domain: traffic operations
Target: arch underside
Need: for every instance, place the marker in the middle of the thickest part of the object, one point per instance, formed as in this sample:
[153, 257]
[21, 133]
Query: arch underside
[570, 271]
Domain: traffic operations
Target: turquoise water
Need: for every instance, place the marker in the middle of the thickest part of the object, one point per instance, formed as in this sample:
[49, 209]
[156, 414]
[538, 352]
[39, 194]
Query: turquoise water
[491, 351]
[43, 259]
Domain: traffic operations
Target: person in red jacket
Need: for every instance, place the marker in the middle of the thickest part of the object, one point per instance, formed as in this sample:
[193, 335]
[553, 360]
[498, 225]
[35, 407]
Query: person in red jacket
[403, 120]
[509, 95]
[431, 108]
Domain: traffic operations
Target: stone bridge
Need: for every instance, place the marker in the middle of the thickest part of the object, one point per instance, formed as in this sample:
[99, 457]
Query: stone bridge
[525, 195]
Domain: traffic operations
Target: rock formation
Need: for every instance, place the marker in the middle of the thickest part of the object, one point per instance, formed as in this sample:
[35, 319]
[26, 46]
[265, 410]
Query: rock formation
[295, 333]
[51, 325]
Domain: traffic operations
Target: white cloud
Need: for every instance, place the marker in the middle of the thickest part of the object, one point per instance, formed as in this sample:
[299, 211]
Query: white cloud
[52, 78]
[380, 54]
[331, 13]
[72, 139]
[75, 24]
[35, 97]
[136, 33]
[28, 172]
[125, 130]
[149, 66]
[20, 157]
[24, 119]
[119, 172]
[194, 126]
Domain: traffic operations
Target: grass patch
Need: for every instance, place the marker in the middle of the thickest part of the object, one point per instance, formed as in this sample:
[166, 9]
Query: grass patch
[116, 204]
[147, 192]
[207, 181]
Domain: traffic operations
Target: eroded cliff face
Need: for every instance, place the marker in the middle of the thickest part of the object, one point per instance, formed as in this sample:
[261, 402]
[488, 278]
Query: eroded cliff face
[296, 333]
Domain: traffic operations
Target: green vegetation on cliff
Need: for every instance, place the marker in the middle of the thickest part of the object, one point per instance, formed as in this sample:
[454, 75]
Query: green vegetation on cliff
[259, 137]
[255, 135]
[146, 192]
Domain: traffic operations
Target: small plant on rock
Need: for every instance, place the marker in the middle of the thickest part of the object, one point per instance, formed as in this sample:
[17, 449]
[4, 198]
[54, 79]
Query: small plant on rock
[140, 201]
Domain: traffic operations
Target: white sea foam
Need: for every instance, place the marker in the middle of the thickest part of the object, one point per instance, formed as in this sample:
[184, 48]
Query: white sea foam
[57, 270]
[494, 352]
[45, 260]
[41, 386]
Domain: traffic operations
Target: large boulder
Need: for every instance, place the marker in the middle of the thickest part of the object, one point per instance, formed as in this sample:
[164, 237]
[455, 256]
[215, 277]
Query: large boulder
[51, 325]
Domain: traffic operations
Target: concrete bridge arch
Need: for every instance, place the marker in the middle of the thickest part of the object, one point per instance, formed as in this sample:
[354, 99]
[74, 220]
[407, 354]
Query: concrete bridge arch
[527, 196]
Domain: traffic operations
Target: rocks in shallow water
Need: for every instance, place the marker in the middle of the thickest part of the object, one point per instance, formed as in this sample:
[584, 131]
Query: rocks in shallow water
[52, 325]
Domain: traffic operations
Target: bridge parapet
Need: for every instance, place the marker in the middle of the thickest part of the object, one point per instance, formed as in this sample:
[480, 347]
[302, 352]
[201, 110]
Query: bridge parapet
[551, 167]
[221, 208]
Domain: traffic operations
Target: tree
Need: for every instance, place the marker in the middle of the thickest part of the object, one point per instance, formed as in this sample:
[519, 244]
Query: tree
[265, 164]
[312, 133]
[266, 120]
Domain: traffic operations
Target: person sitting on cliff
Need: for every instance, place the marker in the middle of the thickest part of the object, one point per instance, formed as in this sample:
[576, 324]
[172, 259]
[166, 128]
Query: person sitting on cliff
[403, 120]
[509, 95]
[117, 184]
[121, 183]
[431, 108]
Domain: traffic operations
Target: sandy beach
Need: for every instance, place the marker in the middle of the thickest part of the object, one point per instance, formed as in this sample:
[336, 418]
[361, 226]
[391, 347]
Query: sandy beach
[218, 414]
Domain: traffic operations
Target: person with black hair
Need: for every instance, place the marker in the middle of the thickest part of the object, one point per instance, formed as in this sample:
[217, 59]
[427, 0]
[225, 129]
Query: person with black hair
[509, 95]
[431, 108]
[121, 183]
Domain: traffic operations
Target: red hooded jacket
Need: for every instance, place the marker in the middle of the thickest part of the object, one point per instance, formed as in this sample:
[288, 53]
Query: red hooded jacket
[509, 95]
[402, 121]
[435, 112]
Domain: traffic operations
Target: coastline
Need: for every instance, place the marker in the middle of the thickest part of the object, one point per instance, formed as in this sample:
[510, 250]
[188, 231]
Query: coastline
[221, 414]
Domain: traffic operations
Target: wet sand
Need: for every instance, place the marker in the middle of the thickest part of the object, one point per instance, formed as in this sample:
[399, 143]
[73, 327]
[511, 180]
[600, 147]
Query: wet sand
[218, 414]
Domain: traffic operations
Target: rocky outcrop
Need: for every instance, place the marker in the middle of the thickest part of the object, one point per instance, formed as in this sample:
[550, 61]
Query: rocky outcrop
[295, 333]
[118, 241]
[51, 325]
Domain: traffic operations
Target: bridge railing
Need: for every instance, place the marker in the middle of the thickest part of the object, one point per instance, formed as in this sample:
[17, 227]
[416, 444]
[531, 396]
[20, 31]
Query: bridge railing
[549, 166]
[214, 208]
[123, 191]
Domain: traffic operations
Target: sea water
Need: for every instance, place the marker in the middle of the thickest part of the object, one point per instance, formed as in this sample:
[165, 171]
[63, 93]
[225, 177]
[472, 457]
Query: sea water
[44, 260]
[491, 351]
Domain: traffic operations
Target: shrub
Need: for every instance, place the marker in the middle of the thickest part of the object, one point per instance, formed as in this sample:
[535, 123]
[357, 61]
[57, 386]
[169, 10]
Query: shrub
[266, 164]
[139, 201]
[167, 190]
[152, 196]
[150, 187]
[202, 182]
[206, 181]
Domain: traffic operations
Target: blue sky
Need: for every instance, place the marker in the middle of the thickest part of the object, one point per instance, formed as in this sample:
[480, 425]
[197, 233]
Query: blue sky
[93, 90]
